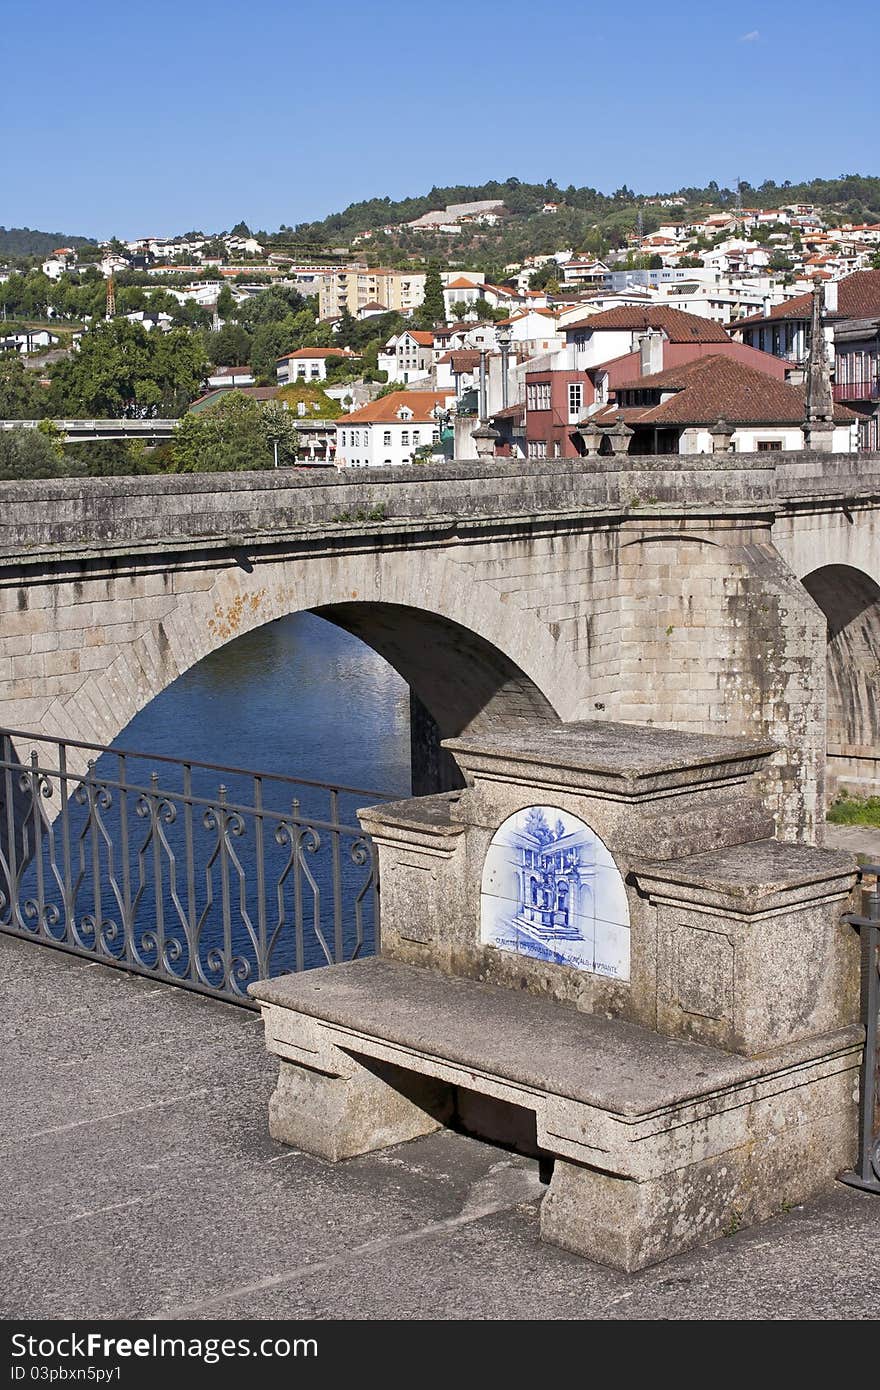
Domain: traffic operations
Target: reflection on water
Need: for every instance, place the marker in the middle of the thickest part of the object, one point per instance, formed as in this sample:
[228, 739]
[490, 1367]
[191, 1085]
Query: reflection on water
[181, 879]
[298, 697]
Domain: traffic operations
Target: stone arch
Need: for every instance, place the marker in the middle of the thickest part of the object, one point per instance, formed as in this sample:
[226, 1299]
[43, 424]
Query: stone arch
[468, 655]
[850, 601]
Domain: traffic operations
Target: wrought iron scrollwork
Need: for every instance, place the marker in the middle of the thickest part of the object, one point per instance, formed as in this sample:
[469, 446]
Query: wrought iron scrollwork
[207, 889]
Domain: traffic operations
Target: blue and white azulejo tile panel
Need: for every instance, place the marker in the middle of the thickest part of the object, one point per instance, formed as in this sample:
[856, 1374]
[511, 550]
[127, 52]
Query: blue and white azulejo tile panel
[552, 891]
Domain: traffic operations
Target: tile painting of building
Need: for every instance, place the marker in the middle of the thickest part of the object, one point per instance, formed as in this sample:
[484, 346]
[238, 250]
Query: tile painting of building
[551, 890]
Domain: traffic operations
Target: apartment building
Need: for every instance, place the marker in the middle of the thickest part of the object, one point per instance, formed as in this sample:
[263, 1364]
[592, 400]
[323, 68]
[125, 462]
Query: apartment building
[352, 287]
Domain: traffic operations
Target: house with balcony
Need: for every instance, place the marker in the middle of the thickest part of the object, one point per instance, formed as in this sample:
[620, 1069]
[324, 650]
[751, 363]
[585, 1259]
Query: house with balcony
[851, 320]
[559, 393]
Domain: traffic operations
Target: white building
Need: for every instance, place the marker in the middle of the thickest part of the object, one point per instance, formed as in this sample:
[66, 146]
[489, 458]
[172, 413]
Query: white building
[231, 376]
[408, 356]
[309, 363]
[390, 431]
[28, 340]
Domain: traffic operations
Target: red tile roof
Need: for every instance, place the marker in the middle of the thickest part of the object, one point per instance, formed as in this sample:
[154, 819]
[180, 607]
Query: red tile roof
[719, 385]
[858, 297]
[421, 336]
[318, 352]
[678, 326]
[421, 403]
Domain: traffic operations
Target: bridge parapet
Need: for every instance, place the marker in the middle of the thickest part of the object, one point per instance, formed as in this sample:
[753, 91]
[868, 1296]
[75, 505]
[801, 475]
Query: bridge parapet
[87, 513]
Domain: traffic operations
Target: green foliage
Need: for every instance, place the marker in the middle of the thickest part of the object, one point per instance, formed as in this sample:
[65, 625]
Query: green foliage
[484, 311]
[341, 369]
[121, 370]
[21, 395]
[588, 220]
[346, 328]
[29, 453]
[433, 308]
[22, 241]
[855, 810]
[230, 347]
[225, 303]
[238, 433]
[106, 458]
[378, 513]
[318, 405]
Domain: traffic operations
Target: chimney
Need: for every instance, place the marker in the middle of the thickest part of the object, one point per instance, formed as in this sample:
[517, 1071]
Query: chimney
[650, 352]
[831, 297]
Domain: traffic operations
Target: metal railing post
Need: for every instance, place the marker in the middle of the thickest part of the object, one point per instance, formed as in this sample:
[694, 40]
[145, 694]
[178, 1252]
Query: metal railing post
[866, 1177]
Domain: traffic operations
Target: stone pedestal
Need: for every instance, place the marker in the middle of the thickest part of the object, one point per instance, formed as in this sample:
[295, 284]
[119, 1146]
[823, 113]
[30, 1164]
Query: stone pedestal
[600, 929]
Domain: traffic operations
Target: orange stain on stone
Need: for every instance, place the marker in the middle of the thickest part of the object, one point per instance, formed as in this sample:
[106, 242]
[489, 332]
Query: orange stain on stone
[227, 622]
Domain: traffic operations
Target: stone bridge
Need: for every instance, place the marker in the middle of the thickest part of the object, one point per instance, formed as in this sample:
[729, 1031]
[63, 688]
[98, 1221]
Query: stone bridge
[705, 594]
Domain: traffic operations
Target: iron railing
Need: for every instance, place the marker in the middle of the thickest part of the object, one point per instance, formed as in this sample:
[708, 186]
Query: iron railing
[857, 390]
[144, 862]
[867, 1174]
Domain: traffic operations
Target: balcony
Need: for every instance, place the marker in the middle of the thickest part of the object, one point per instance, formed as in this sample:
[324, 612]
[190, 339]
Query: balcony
[857, 391]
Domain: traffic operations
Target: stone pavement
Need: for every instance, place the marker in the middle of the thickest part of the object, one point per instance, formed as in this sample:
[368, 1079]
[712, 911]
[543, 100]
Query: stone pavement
[861, 840]
[139, 1181]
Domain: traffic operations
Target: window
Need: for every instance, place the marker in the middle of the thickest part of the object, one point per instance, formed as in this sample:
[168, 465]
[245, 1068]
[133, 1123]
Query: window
[538, 395]
[342, 439]
[575, 400]
[386, 438]
[415, 437]
[404, 437]
[537, 448]
[766, 446]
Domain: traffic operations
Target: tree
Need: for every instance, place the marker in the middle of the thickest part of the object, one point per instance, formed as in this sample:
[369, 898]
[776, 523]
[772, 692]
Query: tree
[21, 396]
[537, 826]
[433, 307]
[484, 310]
[225, 303]
[241, 229]
[29, 454]
[346, 328]
[235, 434]
[121, 370]
[229, 347]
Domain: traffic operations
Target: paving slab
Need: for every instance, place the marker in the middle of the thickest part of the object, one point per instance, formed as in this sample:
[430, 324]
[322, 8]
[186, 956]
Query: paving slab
[138, 1180]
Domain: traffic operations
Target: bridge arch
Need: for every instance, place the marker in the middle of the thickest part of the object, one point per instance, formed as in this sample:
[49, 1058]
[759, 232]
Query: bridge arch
[850, 601]
[467, 652]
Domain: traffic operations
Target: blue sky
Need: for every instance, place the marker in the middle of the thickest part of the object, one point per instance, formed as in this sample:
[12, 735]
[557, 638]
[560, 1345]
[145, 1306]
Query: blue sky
[157, 118]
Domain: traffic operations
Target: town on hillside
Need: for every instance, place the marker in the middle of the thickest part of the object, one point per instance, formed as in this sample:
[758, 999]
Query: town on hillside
[746, 329]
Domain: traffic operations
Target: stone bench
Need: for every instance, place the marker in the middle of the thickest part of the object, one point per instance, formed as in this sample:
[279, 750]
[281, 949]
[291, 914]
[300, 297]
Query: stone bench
[658, 1142]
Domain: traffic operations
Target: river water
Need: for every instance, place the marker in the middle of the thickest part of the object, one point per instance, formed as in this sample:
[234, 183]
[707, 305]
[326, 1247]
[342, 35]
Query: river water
[188, 881]
[298, 697]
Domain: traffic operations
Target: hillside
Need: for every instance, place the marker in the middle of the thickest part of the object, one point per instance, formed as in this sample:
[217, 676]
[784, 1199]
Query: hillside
[24, 241]
[587, 219]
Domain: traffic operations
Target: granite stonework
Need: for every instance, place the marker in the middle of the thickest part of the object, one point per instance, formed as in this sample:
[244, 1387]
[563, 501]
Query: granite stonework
[699, 1076]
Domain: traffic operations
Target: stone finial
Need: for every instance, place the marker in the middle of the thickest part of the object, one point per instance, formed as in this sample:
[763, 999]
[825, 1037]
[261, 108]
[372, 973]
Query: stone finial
[618, 435]
[819, 414]
[722, 436]
[592, 437]
[485, 438]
